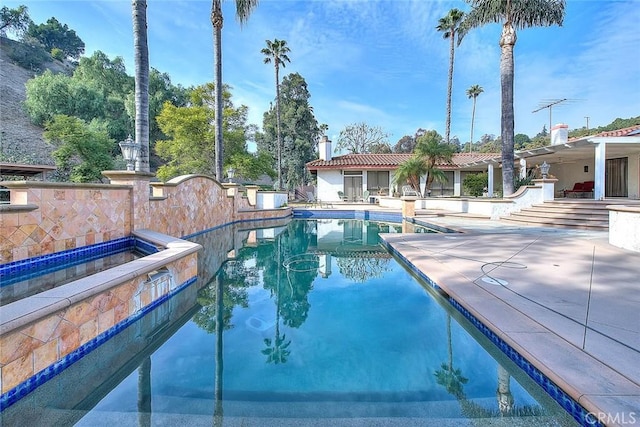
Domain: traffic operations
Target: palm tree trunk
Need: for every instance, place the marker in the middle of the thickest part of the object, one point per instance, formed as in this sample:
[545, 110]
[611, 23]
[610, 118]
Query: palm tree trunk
[218, 412]
[217, 22]
[144, 393]
[473, 116]
[279, 136]
[141, 58]
[507, 42]
[503, 394]
[447, 132]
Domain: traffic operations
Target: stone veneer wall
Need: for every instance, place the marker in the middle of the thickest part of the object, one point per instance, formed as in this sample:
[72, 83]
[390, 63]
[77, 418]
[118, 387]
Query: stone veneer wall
[46, 217]
[36, 346]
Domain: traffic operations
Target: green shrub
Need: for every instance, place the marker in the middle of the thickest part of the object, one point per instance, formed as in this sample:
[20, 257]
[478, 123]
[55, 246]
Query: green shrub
[57, 54]
[476, 184]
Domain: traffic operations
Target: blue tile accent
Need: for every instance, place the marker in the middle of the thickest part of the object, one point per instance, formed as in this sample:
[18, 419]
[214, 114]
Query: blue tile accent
[12, 396]
[33, 267]
[145, 247]
[25, 269]
[580, 414]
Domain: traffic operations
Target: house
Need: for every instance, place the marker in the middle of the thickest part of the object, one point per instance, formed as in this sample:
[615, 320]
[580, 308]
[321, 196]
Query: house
[352, 174]
[611, 160]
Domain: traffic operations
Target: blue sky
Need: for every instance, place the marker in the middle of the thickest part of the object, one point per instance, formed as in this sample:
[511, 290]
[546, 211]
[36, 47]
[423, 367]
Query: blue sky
[383, 62]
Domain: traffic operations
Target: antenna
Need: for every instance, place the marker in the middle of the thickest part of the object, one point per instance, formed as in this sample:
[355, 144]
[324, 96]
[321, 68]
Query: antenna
[549, 104]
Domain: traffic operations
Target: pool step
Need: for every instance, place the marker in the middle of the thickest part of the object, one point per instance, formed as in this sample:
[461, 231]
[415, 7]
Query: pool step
[580, 214]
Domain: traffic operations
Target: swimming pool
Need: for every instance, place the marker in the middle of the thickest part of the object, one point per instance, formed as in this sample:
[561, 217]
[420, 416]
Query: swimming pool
[20, 279]
[320, 326]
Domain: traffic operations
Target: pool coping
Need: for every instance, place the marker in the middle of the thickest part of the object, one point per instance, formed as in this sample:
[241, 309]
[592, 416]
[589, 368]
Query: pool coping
[509, 328]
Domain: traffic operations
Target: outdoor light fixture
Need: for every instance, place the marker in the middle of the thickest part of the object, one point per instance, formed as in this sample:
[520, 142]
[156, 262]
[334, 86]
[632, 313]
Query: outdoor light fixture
[544, 168]
[230, 173]
[130, 150]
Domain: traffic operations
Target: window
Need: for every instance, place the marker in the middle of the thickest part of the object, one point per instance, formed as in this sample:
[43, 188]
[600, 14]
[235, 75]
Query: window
[377, 180]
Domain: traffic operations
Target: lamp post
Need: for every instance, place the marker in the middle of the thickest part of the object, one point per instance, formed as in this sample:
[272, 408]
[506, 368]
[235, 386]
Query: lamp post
[130, 150]
[230, 173]
[544, 169]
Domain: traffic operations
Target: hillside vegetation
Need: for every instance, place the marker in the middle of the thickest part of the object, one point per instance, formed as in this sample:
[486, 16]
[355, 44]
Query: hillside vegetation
[20, 140]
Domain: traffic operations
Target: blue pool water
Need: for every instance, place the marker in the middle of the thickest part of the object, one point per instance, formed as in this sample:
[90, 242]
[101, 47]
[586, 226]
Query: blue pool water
[27, 277]
[309, 323]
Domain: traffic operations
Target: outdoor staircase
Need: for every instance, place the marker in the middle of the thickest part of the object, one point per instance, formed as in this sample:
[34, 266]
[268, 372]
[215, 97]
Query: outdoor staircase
[568, 213]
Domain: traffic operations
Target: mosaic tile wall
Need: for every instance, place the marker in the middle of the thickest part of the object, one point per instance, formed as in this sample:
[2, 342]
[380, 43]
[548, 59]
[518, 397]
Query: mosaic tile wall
[71, 216]
[67, 217]
[199, 203]
[35, 347]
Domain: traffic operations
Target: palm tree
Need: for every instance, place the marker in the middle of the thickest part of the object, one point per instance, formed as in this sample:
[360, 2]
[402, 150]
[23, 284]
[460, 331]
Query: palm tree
[276, 51]
[448, 376]
[141, 59]
[433, 151]
[513, 14]
[409, 172]
[448, 26]
[243, 10]
[473, 92]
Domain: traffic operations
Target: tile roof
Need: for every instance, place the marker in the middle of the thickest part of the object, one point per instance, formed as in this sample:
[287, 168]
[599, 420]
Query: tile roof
[391, 161]
[629, 131]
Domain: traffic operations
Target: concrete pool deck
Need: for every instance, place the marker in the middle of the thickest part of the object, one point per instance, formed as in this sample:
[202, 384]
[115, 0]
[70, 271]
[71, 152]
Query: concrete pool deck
[537, 288]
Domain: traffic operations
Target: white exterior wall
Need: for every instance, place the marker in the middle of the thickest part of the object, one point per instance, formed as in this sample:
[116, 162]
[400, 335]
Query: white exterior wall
[568, 174]
[329, 183]
[270, 199]
[624, 227]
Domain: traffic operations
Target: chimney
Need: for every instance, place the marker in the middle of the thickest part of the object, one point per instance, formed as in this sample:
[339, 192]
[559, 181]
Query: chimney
[559, 134]
[324, 146]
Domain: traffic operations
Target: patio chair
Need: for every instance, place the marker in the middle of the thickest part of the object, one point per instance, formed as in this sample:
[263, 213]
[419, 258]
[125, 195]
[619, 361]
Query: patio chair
[312, 201]
[408, 190]
[342, 196]
[365, 196]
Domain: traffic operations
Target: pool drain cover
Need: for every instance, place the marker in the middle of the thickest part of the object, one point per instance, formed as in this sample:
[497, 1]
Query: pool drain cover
[492, 281]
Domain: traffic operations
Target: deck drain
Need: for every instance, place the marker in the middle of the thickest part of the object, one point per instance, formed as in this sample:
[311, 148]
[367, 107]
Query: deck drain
[492, 281]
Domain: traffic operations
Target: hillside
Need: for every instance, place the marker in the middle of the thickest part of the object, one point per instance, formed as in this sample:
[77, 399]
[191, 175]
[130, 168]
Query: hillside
[20, 140]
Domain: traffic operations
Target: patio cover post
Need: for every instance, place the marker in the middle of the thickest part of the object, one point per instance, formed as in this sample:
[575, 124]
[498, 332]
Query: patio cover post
[457, 183]
[600, 159]
[490, 184]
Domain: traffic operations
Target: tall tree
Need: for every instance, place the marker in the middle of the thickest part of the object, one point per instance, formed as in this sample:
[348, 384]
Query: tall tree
[360, 138]
[448, 25]
[53, 34]
[243, 10]
[299, 131]
[190, 147]
[433, 151]
[16, 20]
[141, 59]
[407, 143]
[473, 92]
[513, 14]
[276, 51]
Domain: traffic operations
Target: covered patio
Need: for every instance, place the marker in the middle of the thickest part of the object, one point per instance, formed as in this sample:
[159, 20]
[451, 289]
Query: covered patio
[611, 160]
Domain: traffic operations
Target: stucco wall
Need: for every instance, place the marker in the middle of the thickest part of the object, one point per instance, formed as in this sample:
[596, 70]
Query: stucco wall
[624, 227]
[329, 183]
